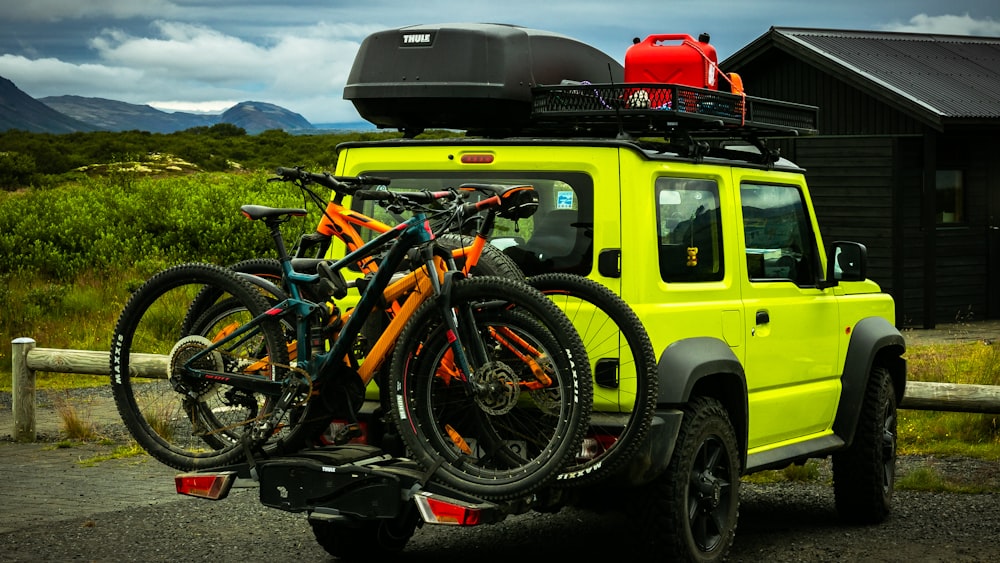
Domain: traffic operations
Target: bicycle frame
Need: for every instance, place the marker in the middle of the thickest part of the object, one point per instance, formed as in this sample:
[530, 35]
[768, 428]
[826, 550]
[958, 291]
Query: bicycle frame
[319, 365]
[416, 287]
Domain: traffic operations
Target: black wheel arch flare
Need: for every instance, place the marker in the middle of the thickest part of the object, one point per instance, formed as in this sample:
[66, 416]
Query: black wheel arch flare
[873, 342]
[705, 366]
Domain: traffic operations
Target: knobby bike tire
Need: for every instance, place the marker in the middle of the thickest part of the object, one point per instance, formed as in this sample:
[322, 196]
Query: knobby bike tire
[267, 268]
[170, 425]
[492, 443]
[492, 261]
[624, 367]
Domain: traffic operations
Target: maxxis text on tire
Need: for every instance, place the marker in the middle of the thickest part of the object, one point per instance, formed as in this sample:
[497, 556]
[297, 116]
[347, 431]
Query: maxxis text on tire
[169, 424]
[624, 367]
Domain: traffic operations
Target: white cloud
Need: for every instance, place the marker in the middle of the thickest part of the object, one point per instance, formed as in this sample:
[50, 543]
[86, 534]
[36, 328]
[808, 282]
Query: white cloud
[948, 25]
[206, 53]
[52, 77]
[301, 69]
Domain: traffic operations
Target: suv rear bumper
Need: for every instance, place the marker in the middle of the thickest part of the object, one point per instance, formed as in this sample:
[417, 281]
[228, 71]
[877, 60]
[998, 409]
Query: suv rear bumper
[654, 454]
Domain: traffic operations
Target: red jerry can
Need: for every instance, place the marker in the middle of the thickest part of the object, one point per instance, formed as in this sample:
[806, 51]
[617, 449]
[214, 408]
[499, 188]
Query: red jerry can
[673, 59]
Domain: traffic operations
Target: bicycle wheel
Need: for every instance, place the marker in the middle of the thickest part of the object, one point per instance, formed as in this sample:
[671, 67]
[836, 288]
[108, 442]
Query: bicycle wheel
[624, 367]
[267, 269]
[511, 432]
[169, 413]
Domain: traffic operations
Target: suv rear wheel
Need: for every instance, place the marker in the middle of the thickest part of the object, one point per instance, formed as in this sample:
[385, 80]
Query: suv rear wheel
[692, 506]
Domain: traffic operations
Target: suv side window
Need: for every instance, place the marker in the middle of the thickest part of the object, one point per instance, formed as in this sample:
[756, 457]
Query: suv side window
[690, 230]
[778, 236]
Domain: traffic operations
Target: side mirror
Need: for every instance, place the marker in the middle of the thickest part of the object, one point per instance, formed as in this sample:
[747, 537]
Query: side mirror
[847, 261]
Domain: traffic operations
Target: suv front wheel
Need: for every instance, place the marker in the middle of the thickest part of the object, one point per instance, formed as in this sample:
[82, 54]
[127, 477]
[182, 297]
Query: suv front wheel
[691, 509]
[865, 473]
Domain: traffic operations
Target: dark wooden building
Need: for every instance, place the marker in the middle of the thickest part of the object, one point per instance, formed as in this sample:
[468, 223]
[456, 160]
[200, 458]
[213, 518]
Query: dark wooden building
[908, 156]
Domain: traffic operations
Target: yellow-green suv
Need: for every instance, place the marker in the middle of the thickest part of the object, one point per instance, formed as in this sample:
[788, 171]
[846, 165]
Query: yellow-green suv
[772, 345]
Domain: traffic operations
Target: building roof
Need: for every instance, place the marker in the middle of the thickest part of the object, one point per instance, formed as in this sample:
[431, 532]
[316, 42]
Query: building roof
[940, 78]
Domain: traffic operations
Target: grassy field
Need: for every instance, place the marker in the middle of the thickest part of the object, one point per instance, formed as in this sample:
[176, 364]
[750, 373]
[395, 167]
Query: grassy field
[943, 433]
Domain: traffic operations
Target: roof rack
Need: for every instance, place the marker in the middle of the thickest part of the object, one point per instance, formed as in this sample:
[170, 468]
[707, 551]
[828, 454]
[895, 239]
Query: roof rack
[667, 110]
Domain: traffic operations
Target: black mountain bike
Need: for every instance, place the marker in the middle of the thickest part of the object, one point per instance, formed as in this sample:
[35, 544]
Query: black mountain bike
[489, 381]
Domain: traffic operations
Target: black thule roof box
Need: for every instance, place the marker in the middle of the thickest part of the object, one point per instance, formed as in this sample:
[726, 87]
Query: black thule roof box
[471, 76]
[502, 80]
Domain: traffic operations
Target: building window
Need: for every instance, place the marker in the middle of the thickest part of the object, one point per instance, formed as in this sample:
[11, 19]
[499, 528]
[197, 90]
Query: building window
[950, 197]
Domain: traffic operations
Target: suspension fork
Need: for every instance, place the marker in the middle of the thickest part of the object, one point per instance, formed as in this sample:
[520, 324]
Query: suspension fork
[462, 335]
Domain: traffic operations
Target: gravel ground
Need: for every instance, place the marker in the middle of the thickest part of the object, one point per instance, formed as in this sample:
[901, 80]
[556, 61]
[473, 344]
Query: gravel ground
[779, 522]
[53, 508]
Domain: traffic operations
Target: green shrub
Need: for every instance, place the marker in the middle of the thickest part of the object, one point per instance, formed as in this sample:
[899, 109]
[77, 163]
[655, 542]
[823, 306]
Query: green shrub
[144, 222]
[16, 169]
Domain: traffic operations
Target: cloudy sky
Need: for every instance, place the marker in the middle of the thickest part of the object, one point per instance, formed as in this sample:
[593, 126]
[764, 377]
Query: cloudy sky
[210, 54]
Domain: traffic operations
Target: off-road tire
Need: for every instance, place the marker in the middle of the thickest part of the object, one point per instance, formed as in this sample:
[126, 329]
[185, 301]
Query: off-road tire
[691, 509]
[365, 540]
[864, 474]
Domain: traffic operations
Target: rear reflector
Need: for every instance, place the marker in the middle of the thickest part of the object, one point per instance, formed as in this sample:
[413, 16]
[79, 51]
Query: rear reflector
[441, 510]
[213, 486]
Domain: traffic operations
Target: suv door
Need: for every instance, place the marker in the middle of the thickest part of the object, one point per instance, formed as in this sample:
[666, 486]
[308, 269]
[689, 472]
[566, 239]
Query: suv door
[791, 356]
[678, 247]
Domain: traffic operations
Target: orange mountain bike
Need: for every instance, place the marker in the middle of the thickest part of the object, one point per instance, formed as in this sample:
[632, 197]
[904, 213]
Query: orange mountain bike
[622, 358]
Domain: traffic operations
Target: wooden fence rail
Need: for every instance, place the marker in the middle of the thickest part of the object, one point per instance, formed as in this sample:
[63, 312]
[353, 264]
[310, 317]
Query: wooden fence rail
[26, 359]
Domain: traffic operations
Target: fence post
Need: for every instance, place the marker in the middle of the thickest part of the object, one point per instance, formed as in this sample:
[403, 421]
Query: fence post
[23, 390]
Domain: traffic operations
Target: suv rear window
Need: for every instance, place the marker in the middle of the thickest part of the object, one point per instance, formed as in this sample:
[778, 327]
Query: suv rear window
[557, 238]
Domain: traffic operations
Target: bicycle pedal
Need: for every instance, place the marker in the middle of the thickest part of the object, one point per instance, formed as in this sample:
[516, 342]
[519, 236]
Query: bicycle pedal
[347, 433]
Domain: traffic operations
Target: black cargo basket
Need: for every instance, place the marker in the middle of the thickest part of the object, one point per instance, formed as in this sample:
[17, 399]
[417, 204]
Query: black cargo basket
[659, 109]
[465, 76]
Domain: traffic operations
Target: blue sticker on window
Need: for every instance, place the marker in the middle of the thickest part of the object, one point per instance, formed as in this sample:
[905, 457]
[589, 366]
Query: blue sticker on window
[564, 200]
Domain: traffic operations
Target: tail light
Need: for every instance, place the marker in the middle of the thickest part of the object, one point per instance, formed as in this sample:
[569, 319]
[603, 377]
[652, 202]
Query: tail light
[441, 510]
[213, 486]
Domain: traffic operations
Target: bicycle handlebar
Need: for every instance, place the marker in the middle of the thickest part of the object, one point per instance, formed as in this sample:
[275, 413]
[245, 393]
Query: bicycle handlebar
[344, 184]
[405, 197]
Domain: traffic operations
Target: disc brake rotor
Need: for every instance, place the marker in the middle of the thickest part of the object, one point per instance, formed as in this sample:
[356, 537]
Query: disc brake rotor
[499, 388]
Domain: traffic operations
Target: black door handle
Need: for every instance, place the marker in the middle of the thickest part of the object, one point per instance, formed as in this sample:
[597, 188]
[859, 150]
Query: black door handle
[763, 317]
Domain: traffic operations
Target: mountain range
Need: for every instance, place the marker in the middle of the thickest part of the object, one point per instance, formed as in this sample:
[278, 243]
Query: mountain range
[66, 114]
